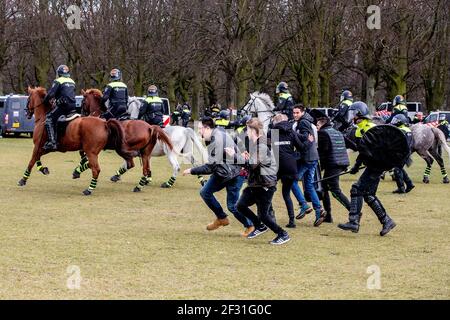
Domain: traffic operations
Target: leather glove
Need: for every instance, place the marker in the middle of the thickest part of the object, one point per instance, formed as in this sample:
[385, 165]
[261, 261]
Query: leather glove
[354, 170]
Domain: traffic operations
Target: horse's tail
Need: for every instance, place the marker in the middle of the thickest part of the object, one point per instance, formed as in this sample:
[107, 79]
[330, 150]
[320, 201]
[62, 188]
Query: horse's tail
[439, 135]
[156, 133]
[192, 136]
[116, 140]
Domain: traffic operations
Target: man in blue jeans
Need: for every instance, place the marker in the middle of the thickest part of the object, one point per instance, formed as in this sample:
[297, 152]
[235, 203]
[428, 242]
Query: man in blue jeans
[309, 158]
[224, 175]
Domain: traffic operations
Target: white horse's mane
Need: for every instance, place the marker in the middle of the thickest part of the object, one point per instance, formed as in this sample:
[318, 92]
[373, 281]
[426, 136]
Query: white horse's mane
[265, 97]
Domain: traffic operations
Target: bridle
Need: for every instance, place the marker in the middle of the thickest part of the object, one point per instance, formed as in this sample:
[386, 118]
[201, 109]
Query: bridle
[27, 108]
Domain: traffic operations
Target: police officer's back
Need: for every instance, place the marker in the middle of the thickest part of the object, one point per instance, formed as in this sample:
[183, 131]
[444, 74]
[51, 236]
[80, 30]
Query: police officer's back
[63, 91]
[116, 94]
[224, 119]
[340, 119]
[152, 108]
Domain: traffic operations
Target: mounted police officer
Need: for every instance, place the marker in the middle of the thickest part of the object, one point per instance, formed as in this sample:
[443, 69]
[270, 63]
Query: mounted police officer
[116, 93]
[340, 119]
[399, 107]
[401, 176]
[63, 91]
[224, 119]
[285, 100]
[366, 186]
[152, 108]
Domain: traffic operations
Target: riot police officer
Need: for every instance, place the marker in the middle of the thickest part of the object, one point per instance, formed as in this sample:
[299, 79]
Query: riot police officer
[340, 121]
[153, 108]
[185, 114]
[63, 91]
[224, 119]
[116, 93]
[399, 107]
[285, 100]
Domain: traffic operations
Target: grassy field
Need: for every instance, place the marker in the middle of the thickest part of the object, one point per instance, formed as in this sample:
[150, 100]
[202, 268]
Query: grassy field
[154, 245]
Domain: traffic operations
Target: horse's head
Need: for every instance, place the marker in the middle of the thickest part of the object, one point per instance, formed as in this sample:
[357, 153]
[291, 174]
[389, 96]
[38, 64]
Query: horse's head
[91, 105]
[260, 106]
[35, 101]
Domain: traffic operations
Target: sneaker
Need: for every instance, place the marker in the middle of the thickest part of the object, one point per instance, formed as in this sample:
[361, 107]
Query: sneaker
[305, 209]
[247, 231]
[281, 239]
[257, 232]
[321, 218]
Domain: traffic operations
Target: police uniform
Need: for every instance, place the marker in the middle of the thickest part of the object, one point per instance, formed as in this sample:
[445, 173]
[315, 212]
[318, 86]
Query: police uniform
[117, 94]
[63, 91]
[185, 114]
[285, 104]
[340, 119]
[152, 111]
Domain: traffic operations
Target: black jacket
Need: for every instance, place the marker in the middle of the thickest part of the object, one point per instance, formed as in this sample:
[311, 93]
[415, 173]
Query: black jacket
[218, 162]
[117, 94]
[304, 128]
[332, 150]
[287, 146]
[63, 90]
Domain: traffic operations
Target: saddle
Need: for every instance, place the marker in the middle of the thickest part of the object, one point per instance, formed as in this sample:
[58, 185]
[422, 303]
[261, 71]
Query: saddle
[63, 122]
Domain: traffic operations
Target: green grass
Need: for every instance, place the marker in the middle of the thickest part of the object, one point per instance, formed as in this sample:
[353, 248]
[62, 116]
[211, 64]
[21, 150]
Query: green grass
[154, 245]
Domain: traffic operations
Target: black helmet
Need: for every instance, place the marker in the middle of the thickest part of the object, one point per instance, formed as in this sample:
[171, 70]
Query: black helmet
[399, 100]
[399, 120]
[63, 71]
[346, 95]
[115, 74]
[282, 87]
[442, 117]
[224, 114]
[244, 120]
[359, 110]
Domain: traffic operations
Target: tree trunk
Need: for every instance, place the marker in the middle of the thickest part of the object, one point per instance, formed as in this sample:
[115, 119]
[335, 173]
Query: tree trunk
[370, 92]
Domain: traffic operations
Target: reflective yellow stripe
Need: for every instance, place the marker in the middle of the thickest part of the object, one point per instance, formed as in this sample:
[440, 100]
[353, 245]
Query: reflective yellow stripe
[285, 95]
[117, 84]
[347, 102]
[222, 122]
[364, 126]
[62, 80]
[404, 128]
[153, 100]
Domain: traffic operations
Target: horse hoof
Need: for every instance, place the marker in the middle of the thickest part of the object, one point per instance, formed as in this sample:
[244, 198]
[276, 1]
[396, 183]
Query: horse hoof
[445, 180]
[136, 189]
[166, 185]
[75, 175]
[426, 180]
[45, 171]
[87, 192]
[22, 182]
[115, 178]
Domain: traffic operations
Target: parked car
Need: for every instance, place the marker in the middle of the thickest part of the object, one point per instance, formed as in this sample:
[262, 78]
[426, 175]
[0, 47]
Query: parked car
[433, 118]
[384, 110]
[78, 103]
[166, 112]
[13, 117]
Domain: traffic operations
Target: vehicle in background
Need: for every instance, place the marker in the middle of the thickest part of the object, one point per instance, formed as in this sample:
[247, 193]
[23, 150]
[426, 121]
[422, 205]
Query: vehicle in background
[433, 118]
[13, 116]
[166, 111]
[384, 110]
[328, 111]
[78, 100]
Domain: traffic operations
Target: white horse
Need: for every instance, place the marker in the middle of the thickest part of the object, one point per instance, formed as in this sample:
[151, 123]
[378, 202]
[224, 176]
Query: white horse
[261, 106]
[184, 140]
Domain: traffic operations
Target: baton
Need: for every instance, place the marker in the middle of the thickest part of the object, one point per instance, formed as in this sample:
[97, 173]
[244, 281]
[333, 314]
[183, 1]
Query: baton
[337, 175]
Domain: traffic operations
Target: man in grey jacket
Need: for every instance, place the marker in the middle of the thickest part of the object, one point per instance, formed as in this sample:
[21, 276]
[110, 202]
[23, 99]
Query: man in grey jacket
[224, 174]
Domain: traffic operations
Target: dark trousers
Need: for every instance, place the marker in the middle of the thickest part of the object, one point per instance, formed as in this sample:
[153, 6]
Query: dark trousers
[332, 185]
[402, 178]
[286, 187]
[262, 197]
[233, 186]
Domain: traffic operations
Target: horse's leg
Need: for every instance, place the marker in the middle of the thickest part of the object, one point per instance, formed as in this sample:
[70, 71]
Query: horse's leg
[123, 168]
[175, 169]
[429, 160]
[435, 154]
[35, 156]
[95, 168]
[146, 173]
[41, 168]
[83, 166]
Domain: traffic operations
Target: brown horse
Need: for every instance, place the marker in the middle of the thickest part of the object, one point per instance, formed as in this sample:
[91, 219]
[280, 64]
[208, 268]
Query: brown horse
[90, 134]
[139, 136]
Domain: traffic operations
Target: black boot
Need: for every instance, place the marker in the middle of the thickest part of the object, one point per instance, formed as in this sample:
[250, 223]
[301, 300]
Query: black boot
[354, 215]
[50, 145]
[400, 190]
[385, 220]
[328, 218]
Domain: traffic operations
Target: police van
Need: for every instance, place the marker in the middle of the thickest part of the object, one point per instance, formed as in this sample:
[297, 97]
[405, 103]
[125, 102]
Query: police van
[78, 100]
[384, 110]
[433, 118]
[13, 115]
[166, 111]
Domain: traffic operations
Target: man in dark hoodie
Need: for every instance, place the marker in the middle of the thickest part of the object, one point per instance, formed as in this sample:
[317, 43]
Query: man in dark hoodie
[334, 160]
[286, 145]
[309, 158]
[224, 175]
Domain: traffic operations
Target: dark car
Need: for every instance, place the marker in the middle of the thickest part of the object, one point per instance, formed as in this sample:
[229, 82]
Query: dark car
[13, 117]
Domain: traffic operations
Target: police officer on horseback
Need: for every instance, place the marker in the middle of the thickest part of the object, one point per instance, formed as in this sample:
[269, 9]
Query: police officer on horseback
[366, 186]
[63, 91]
[153, 108]
[340, 120]
[399, 107]
[401, 176]
[116, 93]
[285, 100]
